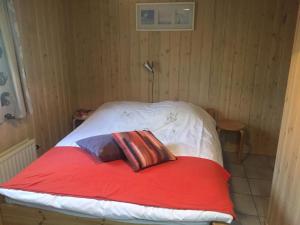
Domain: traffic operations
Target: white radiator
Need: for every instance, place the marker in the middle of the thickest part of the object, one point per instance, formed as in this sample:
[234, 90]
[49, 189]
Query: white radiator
[16, 158]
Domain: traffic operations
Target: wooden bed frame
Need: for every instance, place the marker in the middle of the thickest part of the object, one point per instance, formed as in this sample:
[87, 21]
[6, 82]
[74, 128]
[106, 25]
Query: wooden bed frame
[12, 214]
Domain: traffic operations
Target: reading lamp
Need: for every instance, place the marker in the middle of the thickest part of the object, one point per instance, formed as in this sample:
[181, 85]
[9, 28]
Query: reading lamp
[149, 66]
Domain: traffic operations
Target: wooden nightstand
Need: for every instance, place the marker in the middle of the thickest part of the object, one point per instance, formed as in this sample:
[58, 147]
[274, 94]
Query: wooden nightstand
[80, 116]
[234, 126]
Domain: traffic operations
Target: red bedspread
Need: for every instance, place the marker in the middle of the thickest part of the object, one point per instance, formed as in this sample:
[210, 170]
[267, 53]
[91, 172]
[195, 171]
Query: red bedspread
[187, 183]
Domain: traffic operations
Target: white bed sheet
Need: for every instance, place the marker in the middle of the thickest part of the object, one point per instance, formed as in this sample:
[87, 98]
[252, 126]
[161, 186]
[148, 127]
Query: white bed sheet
[186, 129]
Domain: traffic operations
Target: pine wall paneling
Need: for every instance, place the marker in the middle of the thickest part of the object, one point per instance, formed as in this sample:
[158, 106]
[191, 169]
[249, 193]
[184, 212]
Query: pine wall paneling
[235, 61]
[13, 133]
[44, 31]
[285, 202]
[80, 54]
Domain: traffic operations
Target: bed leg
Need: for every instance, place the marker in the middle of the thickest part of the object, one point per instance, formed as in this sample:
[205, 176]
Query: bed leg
[1, 202]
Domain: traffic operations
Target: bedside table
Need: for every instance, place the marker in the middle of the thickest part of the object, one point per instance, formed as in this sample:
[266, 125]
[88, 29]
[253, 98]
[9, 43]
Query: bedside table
[234, 126]
[80, 116]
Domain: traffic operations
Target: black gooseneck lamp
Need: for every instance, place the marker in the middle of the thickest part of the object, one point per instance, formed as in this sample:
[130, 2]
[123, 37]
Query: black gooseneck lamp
[150, 68]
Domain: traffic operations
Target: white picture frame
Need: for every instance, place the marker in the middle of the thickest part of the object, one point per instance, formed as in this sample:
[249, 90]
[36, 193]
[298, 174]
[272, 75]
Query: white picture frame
[173, 16]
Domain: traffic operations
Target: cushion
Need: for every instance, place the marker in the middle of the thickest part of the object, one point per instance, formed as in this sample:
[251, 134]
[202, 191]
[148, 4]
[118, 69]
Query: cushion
[142, 149]
[102, 147]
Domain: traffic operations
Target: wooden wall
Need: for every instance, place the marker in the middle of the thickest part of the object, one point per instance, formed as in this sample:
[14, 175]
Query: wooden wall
[285, 196]
[44, 30]
[13, 133]
[236, 60]
[84, 53]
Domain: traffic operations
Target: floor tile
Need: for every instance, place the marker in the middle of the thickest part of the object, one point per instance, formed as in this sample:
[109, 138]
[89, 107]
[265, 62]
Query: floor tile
[248, 220]
[272, 162]
[260, 187]
[253, 172]
[257, 161]
[236, 222]
[244, 204]
[240, 185]
[250, 187]
[235, 170]
[229, 157]
[262, 205]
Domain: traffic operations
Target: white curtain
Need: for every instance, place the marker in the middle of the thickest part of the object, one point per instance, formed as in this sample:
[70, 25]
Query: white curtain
[19, 52]
[11, 92]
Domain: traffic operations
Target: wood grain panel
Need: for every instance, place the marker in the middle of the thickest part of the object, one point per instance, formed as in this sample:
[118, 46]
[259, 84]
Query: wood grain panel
[285, 202]
[236, 60]
[11, 214]
[44, 31]
[14, 132]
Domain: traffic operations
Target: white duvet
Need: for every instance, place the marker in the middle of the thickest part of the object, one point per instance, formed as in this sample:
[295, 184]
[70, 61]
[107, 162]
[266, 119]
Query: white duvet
[186, 129]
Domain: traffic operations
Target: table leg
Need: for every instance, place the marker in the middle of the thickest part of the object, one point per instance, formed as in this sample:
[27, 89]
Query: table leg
[240, 150]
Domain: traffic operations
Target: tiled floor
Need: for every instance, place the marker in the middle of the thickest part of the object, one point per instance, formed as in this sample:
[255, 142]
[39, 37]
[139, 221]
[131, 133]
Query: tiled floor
[250, 187]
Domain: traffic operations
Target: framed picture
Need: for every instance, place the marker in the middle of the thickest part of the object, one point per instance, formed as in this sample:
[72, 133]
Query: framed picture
[174, 16]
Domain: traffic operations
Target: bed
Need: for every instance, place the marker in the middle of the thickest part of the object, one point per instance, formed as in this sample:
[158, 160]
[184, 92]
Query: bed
[187, 130]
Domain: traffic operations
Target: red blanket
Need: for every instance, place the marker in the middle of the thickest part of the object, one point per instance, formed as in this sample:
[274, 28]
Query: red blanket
[187, 183]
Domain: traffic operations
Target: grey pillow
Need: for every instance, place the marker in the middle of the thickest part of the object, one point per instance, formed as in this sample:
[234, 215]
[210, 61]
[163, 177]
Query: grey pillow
[102, 147]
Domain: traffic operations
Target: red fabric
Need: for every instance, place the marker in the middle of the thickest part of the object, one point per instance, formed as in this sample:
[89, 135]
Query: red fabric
[187, 183]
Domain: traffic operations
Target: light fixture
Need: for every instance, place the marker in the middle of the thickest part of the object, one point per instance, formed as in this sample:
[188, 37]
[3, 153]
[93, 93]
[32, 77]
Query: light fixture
[150, 68]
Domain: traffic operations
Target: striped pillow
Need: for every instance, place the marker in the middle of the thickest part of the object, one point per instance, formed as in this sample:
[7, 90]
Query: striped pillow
[142, 149]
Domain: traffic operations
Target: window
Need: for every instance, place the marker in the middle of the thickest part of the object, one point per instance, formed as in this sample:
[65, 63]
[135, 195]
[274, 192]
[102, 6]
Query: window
[11, 95]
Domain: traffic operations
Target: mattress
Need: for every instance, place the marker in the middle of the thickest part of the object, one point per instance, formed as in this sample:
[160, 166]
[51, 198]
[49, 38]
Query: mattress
[187, 130]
